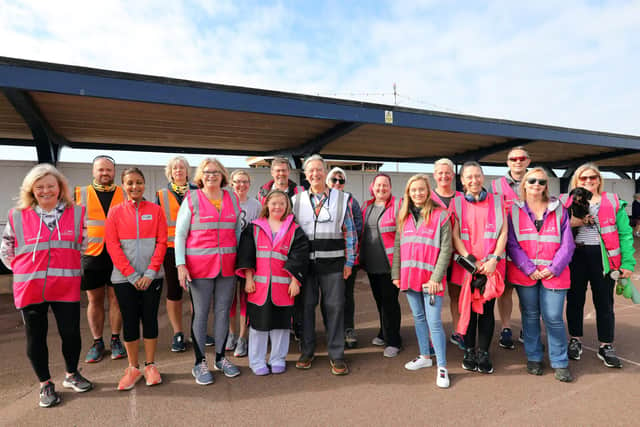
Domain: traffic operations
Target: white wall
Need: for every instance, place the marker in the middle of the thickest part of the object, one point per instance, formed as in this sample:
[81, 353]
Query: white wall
[12, 173]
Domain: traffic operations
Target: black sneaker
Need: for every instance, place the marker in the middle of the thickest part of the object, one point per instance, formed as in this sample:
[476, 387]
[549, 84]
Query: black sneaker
[506, 339]
[48, 395]
[469, 361]
[607, 354]
[484, 363]
[575, 349]
[178, 344]
[77, 382]
[534, 368]
[563, 375]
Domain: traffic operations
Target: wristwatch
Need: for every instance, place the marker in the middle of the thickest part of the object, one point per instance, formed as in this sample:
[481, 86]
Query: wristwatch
[496, 257]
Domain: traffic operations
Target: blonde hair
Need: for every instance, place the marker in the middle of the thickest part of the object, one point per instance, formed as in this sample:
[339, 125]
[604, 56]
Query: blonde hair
[240, 172]
[197, 179]
[172, 162]
[27, 199]
[576, 175]
[444, 162]
[405, 209]
[523, 189]
[264, 212]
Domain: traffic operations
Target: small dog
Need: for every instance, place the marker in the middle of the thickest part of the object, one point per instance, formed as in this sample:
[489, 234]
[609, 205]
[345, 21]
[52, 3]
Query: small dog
[580, 203]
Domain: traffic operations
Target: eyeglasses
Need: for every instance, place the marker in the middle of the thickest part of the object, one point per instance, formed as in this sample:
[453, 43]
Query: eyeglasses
[532, 181]
[213, 173]
[240, 181]
[589, 178]
[518, 159]
[324, 215]
[338, 180]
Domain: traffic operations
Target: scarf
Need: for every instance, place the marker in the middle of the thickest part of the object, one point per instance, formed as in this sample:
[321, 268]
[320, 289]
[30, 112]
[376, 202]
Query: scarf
[180, 190]
[100, 187]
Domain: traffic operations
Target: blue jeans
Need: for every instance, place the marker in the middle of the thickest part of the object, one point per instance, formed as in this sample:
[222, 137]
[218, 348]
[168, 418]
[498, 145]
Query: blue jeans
[427, 319]
[536, 300]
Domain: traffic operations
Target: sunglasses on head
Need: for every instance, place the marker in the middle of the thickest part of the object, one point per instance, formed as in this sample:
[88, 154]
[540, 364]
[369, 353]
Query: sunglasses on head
[532, 181]
[518, 159]
[338, 180]
[589, 177]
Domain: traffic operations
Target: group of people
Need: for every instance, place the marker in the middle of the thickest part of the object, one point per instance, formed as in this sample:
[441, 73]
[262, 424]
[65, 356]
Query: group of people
[275, 259]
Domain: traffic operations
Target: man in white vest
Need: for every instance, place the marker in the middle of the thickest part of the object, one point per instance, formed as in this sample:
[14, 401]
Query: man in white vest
[326, 217]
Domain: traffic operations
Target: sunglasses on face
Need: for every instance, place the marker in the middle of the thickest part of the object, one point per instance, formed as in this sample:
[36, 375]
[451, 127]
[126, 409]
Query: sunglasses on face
[518, 159]
[589, 178]
[340, 181]
[532, 181]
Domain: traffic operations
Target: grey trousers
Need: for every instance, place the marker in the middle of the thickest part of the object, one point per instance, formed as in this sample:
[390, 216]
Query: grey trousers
[328, 289]
[221, 289]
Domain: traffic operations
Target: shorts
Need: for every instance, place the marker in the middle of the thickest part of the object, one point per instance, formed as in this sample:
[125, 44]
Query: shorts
[94, 279]
[174, 290]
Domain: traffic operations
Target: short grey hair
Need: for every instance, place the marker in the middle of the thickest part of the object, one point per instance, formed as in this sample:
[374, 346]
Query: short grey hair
[311, 159]
[444, 161]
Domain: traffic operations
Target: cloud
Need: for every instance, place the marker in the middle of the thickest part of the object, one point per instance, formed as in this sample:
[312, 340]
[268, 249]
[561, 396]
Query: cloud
[572, 63]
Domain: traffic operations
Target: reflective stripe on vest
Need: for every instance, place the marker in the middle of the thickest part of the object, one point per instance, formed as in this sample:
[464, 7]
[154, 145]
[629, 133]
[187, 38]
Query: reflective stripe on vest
[493, 226]
[386, 224]
[170, 205]
[87, 196]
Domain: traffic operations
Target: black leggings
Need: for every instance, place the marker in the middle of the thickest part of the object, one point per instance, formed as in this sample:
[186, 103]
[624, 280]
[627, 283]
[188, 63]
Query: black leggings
[385, 294]
[174, 290]
[137, 306]
[67, 316]
[484, 323]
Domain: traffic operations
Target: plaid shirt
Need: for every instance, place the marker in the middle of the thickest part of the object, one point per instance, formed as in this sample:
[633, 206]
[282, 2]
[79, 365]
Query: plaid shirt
[348, 226]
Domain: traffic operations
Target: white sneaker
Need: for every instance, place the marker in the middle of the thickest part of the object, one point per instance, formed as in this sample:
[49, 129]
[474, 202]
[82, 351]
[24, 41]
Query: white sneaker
[419, 363]
[377, 341]
[442, 380]
[391, 351]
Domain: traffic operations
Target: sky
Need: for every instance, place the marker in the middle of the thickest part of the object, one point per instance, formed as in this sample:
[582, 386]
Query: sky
[571, 63]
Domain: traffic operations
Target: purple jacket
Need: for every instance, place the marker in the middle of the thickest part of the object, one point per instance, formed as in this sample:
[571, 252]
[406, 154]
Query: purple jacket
[562, 257]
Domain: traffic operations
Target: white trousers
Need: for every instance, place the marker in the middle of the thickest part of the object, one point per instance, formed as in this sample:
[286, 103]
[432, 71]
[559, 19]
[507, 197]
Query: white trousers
[258, 341]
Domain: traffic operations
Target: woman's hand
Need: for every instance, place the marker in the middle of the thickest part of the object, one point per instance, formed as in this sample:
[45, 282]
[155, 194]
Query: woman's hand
[183, 276]
[143, 283]
[624, 273]
[431, 287]
[250, 285]
[397, 283]
[294, 288]
[488, 267]
[546, 274]
[535, 276]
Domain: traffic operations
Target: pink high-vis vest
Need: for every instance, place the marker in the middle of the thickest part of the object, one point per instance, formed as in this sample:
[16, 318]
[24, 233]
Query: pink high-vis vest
[540, 246]
[271, 256]
[501, 186]
[386, 224]
[47, 266]
[450, 208]
[609, 207]
[419, 249]
[491, 232]
[211, 243]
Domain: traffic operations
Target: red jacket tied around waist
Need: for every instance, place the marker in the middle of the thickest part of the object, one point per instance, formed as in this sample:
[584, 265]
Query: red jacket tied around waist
[47, 264]
[211, 242]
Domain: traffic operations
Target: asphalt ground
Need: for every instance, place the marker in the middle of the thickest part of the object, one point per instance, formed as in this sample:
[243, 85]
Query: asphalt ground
[379, 391]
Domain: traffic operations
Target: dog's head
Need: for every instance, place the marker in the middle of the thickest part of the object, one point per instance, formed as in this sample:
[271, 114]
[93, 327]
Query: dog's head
[580, 202]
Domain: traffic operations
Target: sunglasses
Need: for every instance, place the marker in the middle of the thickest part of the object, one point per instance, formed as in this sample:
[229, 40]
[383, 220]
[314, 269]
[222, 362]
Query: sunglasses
[589, 178]
[532, 181]
[338, 180]
[518, 159]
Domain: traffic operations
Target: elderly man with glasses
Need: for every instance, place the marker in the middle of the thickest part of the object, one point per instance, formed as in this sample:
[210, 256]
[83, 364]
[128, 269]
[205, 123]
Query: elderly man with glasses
[326, 216]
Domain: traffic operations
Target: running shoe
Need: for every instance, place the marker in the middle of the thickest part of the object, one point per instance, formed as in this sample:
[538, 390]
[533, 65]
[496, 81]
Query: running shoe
[391, 351]
[563, 375]
[418, 363]
[534, 368]
[304, 362]
[350, 338]
[458, 340]
[241, 347]
[77, 382]
[231, 342]
[575, 349]
[202, 374]
[95, 353]
[607, 354]
[469, 362]
[131, 376]
[506, 339]
[209, 341]
[377, 341]
[484, 363]
[178, 344]
[442, 380]
[151, 375]
[228, 369]
[339, 367]
[48, 395]
[117, 349]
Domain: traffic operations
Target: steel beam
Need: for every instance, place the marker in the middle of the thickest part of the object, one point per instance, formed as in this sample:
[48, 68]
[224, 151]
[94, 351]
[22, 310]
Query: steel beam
[476, 154]
[316, 144]
[577, 161]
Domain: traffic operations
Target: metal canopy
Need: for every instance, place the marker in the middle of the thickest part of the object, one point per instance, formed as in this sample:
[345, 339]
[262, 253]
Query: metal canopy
[51, 105]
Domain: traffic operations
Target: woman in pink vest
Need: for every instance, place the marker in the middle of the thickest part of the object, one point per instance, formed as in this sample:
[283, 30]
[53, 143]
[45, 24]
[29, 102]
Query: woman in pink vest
[376, 257]
[540, 247]
[136, 238]
[273, 257]
[480, 237]
[604, 249]
[444, 193]
[42, 243]
[422, 251]
[207, 233]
